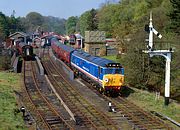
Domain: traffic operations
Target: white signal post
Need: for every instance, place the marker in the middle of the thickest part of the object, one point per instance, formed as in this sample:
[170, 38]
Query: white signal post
[165, 53]
[151, 31]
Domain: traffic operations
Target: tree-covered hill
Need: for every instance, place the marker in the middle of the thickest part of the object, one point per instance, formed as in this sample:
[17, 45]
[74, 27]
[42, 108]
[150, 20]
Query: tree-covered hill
[125, 21]
[30, 23]
[34, 20]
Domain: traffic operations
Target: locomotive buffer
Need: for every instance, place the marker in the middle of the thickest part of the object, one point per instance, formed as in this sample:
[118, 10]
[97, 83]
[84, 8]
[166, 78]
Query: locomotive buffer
[165, 53]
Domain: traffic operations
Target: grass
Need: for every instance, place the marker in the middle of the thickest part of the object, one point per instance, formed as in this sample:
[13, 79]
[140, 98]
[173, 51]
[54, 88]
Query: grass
[112, 57]
[147, 101]
[8, 120]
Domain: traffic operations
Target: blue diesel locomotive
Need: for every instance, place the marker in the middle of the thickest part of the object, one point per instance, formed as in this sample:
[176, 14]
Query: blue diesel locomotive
[105, 74]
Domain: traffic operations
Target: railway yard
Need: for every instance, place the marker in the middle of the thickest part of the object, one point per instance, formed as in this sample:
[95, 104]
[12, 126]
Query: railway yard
[54, 102]
[94, 65]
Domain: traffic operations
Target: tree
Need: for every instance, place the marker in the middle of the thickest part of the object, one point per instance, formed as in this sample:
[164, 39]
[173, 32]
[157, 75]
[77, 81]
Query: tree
[71, 25]
[54, 24]
[88, 21]
[33, 20]
[92, 20]
[14, 24]
[3, 26]
[175, 16]
[107, 18]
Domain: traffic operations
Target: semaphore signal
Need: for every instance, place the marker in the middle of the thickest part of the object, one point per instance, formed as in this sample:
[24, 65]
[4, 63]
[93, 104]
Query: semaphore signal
[165, 53]
[149, 28]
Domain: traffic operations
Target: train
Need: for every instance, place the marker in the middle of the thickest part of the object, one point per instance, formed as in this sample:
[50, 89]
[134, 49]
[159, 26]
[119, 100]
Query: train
[25, 50]
[106, 75]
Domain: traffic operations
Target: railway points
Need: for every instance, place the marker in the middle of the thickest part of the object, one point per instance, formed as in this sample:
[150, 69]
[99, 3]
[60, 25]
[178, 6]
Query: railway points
[48, 115]
[85, 113]
[94, 71]
[73, 103]
[124, 104]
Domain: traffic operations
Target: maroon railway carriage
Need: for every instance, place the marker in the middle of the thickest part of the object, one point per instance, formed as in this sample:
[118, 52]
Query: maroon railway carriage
[62, 51]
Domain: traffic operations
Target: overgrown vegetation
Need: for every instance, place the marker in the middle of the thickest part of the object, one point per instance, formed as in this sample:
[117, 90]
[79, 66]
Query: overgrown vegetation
[5, 59]
[31, 23]
[36, 22]
[8, 25]
[125, 21]
[150, 102]
[9, 120]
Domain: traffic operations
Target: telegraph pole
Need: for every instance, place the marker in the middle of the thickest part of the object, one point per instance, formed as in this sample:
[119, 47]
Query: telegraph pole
[165, 53]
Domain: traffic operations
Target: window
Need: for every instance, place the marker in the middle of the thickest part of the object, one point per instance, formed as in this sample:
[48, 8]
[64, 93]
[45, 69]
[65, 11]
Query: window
[113, 71]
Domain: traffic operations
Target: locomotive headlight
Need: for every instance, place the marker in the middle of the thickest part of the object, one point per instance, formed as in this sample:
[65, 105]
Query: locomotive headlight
[106, 80]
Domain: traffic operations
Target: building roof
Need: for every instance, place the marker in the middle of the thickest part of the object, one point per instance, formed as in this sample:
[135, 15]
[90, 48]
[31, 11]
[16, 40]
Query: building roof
[78, 36]
[16, 33]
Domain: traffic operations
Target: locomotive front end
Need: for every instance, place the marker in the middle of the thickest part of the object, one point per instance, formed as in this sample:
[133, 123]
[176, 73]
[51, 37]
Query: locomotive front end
[113, 79]
[113, 82]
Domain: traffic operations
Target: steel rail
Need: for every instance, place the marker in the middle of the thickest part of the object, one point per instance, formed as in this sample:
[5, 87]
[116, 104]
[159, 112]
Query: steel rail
[67, 100]
[48, 103]
[43, 109]
[139, 118]
[101, 118]
[31, 100]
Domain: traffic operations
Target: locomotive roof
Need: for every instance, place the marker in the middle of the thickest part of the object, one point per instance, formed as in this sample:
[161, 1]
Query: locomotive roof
[94, 59]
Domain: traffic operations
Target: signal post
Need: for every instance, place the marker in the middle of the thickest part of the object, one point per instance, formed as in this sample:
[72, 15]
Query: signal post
[165, 53]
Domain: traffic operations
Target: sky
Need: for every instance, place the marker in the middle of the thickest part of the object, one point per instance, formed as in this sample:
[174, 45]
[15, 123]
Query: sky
[56, 8]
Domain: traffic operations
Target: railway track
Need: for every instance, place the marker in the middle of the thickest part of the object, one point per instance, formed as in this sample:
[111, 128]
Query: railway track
[47, 116]
[86, 115]
[137, 117]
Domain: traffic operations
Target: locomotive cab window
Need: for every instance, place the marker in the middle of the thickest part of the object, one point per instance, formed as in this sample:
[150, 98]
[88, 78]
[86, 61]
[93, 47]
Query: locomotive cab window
[117, 71]
[113, 71]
